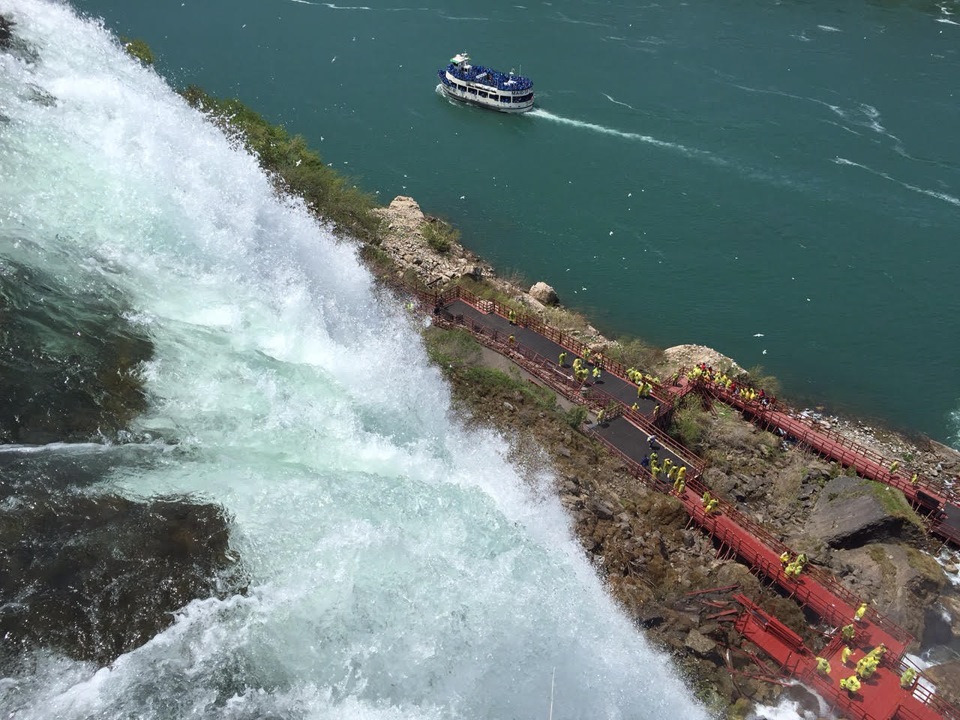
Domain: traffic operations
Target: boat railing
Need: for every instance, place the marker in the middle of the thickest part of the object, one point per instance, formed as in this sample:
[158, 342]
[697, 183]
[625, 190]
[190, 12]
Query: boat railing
[491, 78]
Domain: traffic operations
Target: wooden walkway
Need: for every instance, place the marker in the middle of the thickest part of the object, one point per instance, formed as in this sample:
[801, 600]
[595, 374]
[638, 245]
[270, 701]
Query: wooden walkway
[940, 504]
[632, 435]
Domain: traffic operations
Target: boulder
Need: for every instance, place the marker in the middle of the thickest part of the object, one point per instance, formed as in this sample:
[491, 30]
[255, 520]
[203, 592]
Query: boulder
[851, 511]
[86, 385]
[543, 293]
[97, 576]
[947, 679]
[898, 580]
[700, 643]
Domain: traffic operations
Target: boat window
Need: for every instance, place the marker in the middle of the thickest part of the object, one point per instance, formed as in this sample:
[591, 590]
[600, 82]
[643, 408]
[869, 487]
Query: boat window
[473, 91]
[482, 93]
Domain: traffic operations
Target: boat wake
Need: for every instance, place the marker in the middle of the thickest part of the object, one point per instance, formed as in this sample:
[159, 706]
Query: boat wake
[923, 191]
[604, 130]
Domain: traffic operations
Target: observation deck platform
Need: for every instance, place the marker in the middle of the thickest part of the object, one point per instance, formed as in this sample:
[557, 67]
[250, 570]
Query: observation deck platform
[632, 434]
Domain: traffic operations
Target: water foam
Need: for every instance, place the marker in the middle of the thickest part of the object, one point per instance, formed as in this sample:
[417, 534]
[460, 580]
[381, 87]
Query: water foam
[400, 566]
[945, 197]
[594, 127]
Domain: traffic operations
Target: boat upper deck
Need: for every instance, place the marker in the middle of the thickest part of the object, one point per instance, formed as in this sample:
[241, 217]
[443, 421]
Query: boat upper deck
[487, 76]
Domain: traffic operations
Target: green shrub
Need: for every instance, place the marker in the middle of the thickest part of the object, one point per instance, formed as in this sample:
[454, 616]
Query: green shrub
[138, 49]
[448, 347]
[758, 378]
[689, 422]
[636, 353]
[440, 236]
[576, 416]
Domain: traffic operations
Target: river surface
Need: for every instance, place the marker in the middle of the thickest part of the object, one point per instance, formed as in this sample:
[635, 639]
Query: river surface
[780, 181]
[399, 566]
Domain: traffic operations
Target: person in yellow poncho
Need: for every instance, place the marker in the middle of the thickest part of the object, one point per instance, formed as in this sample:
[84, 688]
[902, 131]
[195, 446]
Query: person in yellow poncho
[850, 684]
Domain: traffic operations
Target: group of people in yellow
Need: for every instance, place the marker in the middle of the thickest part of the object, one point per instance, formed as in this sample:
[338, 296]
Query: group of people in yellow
[676, 473]
[581, 372]
[720, 379]
[793, 568]
[709, 503]
[643, 382]
[866, 666]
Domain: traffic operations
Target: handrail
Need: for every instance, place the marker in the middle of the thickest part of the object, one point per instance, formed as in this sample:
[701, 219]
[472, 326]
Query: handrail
[544, 369]
[789, 420]
[534, 323]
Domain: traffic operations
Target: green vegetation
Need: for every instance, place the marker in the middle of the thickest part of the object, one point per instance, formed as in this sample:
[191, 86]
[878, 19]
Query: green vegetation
[459, 355]
[894, 503]
[636, 353]
[451, 347]
[576, 416]
[690, 421]
[761, 380]
[138, 49]
[926, 565]
[440, 235]
[297, 169]
[487, 381]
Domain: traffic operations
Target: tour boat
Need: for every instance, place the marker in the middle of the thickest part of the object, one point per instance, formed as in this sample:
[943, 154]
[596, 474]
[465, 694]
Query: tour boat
[485, 87]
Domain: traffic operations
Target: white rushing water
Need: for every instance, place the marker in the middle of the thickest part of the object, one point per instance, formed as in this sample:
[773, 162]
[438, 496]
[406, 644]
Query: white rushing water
[400, 567]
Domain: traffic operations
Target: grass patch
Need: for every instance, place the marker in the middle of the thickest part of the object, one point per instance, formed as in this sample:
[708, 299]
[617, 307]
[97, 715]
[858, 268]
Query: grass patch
[378, 260]
[690, 422]
[452, 347]
[730, 431]
[636, 353]
[925, 565]
[894, 503]
[297, 169]
[487, 381]
[138, 49]
[440, 235]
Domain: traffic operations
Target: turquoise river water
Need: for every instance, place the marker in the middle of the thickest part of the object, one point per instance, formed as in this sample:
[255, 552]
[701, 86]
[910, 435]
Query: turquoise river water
[780, 181]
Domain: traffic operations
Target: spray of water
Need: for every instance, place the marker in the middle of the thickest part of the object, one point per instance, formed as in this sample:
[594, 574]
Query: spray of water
[400, 567]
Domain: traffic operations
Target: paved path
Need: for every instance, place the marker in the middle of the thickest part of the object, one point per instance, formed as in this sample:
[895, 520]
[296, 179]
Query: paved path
[618, 388]
[630, 436]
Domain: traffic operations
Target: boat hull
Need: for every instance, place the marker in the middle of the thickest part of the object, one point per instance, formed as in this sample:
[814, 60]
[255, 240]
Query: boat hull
[473, 94]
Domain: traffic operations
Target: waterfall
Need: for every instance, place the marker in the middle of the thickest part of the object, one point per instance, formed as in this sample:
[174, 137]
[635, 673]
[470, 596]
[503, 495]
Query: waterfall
[399, 566]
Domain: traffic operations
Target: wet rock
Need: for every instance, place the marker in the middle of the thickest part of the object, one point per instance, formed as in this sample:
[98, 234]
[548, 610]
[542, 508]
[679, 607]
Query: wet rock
[650, 619]
[851, 511]
[474, 272]
[604, 511]
[947, 679]
[543, 293]
[95, 577]
[700, 643]
[69, 360]
[6, 28]
[949, 612]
